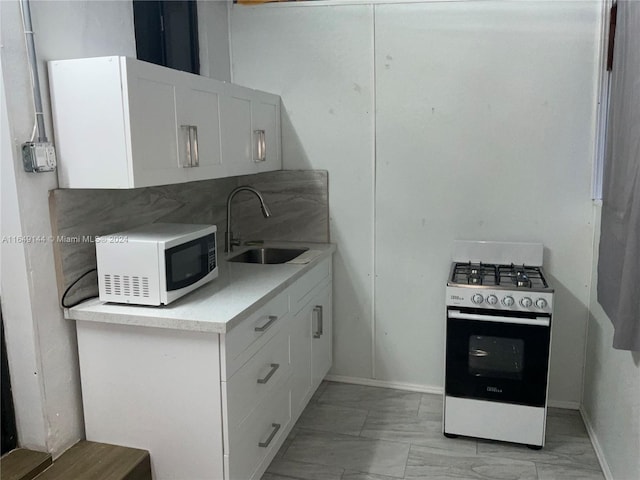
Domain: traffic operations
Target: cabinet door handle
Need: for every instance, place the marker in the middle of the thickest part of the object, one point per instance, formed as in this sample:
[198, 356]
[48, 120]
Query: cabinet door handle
[265, 444]
[266, 326]
[318, 311]
[274, 367]
[191, 158]
[187, 161]
[261, 146]
[193, 140]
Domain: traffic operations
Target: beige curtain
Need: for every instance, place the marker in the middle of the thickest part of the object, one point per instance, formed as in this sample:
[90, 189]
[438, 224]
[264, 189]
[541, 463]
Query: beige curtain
[619, 260]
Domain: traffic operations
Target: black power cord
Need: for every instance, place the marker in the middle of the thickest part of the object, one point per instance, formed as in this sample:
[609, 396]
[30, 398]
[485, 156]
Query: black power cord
[64, 295]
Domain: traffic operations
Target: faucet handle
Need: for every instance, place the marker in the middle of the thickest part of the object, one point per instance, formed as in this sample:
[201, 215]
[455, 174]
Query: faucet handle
[230, 242]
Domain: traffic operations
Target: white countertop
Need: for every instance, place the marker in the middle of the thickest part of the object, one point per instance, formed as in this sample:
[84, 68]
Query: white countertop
[239, 290]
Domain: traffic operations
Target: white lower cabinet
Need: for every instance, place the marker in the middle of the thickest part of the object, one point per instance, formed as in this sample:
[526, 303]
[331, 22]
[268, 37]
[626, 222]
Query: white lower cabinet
[311, 346]
[321, 333]
[250, 385]
[265, 396]
[301, 361]
[255, 441]
[209, 406]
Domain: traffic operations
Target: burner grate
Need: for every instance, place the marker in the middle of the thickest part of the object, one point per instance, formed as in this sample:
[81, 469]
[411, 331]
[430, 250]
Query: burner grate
[500, 276]
[521, 276]
[475, 274]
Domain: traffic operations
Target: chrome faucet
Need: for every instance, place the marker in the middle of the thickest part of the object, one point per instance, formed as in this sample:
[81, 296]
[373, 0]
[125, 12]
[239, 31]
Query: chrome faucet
[229, 241]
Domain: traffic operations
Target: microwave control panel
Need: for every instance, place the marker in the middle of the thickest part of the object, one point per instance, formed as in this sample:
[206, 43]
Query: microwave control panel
[211, 247]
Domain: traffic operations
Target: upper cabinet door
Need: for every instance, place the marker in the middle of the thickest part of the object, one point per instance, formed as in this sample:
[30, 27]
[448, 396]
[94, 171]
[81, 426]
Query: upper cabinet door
[265, 116]
[235, 129]
[152, 132]
[250, 129]
[198, 110]
[90, 124]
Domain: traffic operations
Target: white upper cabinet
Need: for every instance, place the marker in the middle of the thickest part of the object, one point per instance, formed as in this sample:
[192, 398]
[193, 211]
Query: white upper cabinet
[251, 131]
[123, 123]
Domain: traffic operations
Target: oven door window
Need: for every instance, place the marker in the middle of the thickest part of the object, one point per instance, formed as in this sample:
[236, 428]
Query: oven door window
[497, 361]
[496, 357]
[189, 262]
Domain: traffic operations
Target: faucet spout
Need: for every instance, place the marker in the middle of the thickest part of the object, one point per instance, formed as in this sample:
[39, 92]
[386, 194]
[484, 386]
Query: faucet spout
[229, 241]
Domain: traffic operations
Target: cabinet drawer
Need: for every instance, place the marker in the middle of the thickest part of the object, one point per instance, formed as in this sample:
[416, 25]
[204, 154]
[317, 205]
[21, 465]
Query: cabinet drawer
[259, 435]
[301, 291]
[255, 379]
[246, 338]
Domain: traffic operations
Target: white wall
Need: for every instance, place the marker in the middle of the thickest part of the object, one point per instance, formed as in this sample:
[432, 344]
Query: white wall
[611, 401]
[213, 36]
[41, 345]
[16, 307]
[484, 130]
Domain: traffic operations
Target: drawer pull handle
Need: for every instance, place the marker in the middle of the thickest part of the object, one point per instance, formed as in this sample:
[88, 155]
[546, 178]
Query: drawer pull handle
[318, 331]
[265, 327]
[274, 367]
[276, 427]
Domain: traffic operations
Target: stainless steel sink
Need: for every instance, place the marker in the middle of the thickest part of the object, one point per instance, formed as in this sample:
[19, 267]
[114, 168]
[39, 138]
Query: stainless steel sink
[268, 255]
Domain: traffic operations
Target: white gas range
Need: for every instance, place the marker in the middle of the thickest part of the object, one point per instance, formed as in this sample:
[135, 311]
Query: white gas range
[499, 310]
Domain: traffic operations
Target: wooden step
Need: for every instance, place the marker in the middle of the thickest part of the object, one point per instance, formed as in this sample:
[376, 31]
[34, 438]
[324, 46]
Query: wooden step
[99, 461]
[23, 464]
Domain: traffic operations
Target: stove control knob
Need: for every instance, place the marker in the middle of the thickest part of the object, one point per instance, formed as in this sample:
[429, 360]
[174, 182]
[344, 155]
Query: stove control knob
[477, 299]
[507, 301]
[526, 302]
[492, 299]
[541, 303]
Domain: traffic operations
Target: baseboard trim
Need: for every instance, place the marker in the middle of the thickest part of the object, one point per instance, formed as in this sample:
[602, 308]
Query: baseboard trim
[370, 382]
[563, 404]
[596, 444]
[414, 387]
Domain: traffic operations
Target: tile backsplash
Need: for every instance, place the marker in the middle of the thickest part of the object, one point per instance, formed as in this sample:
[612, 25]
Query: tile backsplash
[298, 200]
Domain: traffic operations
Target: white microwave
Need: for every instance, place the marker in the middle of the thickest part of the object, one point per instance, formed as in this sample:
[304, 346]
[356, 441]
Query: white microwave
[155, 264]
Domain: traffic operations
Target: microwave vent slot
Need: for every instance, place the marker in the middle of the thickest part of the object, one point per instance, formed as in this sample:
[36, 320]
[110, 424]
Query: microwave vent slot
[140, 286]
[125, 285]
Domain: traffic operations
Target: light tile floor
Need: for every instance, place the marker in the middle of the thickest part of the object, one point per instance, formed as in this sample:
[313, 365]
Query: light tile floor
[353, 432]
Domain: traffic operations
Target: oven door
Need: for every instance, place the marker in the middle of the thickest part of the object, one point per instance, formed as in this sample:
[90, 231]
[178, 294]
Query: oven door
[499, 356]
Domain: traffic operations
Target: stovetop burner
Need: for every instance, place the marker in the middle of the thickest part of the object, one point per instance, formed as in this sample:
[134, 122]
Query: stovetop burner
[475, 274]
[502, 276]
[521, 276]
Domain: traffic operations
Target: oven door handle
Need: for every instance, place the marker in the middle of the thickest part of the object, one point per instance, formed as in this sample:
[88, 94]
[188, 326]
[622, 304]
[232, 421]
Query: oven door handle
[538, 321]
